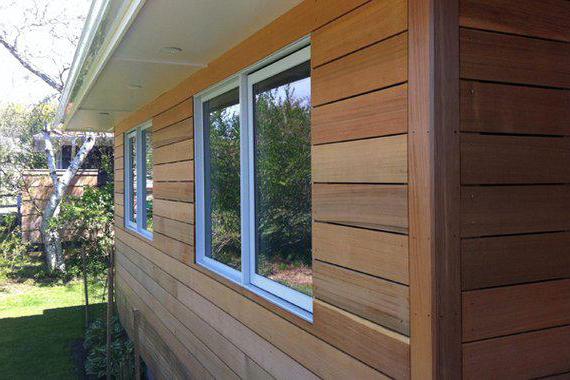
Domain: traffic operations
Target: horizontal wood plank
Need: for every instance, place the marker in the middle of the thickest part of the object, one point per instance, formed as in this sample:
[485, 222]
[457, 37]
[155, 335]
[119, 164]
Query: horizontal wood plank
[507, 260]
[549, 19]
[370, 23]
[181, 211]
[501, 210]
[380, 65]
[174, 191]
[375, 114]
[381, 207]
[378, 160]
[500, 108]
[375, 299]
[513, 59]
[509, 310]
[175, 229]
[487, 159]
[377, 253]
[365, 340]
[174, 171]
[530, 355]
[183, 130]
[177, 113]
[181, 151]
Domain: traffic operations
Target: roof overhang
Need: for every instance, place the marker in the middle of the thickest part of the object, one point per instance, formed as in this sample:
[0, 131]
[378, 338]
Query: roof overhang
[131, 51]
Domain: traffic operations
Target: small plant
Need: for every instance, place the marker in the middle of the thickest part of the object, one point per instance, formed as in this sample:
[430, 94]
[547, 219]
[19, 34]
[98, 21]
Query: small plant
[12, 249]
[122, 351]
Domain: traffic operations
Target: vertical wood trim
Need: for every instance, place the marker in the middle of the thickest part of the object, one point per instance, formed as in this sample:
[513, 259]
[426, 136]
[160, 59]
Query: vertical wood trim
[434, 199]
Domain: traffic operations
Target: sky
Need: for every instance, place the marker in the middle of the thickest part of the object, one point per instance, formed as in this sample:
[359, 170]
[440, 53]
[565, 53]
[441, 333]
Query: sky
[50, 47]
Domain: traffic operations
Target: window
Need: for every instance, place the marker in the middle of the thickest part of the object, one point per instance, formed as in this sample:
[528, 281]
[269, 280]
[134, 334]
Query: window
[253, 179]
[138, 180]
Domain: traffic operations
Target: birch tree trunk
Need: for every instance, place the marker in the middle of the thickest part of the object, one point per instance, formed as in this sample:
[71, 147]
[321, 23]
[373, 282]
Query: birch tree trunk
[52, 236]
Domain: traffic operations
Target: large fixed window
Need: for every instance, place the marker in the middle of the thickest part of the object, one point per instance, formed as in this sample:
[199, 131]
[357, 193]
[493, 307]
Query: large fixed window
[138, 180]
[253, 179]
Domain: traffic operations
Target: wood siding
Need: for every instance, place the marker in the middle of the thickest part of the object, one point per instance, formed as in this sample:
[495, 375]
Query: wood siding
[515, 194]
[196, 324]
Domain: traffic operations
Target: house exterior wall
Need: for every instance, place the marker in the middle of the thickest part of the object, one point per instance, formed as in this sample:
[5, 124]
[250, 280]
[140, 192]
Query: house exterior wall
[196, 324]
[515, 150]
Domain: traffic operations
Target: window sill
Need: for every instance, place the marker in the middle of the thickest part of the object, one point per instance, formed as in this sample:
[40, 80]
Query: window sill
[144, 233]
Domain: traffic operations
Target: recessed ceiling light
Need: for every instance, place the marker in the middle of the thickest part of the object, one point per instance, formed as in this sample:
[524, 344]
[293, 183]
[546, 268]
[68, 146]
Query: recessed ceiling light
[171, 49]
[104, 113]
[134, 86]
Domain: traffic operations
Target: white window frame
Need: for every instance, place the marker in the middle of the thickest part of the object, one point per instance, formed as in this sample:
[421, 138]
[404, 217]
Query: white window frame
[287, 298]
[141, 217]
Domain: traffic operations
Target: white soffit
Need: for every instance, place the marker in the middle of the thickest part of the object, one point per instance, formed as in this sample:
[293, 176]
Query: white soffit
[140, 69]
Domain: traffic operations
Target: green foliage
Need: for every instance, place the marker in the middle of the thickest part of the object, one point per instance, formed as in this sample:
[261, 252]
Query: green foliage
[12, 249]
[89, 219]
[122, 350]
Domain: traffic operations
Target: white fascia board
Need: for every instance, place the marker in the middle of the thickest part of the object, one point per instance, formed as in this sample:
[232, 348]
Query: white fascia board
[123, 21]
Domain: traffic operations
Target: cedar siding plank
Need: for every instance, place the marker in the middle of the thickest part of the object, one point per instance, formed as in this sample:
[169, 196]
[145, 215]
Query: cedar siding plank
[175, 229]
[500, 108]
[181, 151]
[382, 207]
[177, 113]
[372, 298]
[376, 253]
[374, 114]
[364, 340]
[370, 23]
[514, 309]
[174, 191]
[528, 355]
[183, 130]
[502, 210]
[513, 59]
[489, 159]
[174, 171]
[507, 260]
[378, 66]
[548, 19]
[378, 160]
[181, 211]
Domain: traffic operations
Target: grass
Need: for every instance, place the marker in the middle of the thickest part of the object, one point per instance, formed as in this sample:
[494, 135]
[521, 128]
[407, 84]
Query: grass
[38, 325]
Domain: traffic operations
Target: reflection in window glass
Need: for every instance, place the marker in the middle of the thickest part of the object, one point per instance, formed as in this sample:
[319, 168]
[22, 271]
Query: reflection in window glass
[222, 178]
[147, 141]
[132, 146]
[282, 157]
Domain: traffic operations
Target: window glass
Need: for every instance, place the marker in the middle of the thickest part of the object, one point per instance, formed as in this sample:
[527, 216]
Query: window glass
[222, 178]
[282, 160]
[147, 141]
[132, 157]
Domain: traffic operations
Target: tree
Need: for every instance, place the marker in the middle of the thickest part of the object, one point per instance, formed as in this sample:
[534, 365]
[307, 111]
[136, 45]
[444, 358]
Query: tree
[39, 17]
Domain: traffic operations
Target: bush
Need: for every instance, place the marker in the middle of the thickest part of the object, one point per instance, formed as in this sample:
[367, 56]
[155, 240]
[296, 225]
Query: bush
[122, 351]
[12, 249]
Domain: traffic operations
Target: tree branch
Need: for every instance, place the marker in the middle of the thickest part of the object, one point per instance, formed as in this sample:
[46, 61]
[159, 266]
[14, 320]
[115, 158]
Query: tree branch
[43, 76]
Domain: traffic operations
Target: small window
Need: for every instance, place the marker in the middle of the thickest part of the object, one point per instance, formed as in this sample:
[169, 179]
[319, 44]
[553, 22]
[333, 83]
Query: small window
[138, 180]
[253, 179]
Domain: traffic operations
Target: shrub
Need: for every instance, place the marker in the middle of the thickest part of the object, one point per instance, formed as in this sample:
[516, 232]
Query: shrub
[12, 249]
[122, 351]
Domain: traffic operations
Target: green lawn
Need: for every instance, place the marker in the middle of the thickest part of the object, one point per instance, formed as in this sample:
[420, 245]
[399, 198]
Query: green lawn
[38, 325]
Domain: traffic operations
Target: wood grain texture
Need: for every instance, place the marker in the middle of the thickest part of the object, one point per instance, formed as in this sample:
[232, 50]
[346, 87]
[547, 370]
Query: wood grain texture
[513, 59]
[175, 229]
[178, 250]
[181, 211]
[510, 260]
[374, 114]
[528, 355]
[175, 114]
[380, 65]
[372, 298]
[382, 207]
[364, 340]
[487, 159]
[183, 130]
[174, 171]
[174, 191]
[379, 160]
[370, 23]
[181, 151]
[376, 253]
[549, 19]
[500, 108]
[501, 210]
[514, 309]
